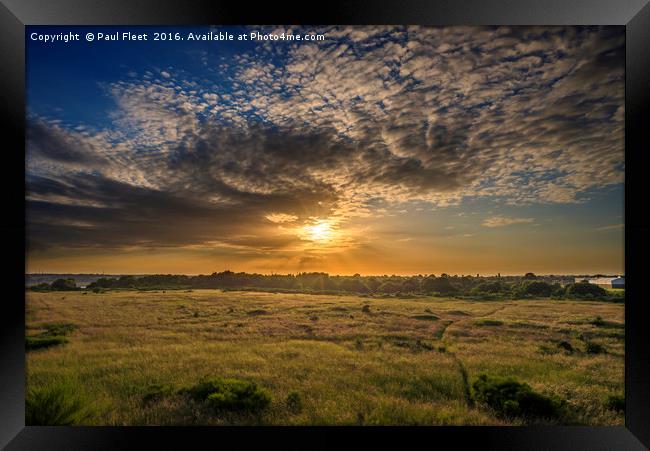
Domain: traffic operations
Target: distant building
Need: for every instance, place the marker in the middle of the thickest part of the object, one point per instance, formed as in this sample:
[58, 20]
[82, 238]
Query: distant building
[605, 282]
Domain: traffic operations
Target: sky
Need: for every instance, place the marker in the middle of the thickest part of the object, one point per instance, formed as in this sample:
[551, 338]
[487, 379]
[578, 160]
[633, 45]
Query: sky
[378, 150]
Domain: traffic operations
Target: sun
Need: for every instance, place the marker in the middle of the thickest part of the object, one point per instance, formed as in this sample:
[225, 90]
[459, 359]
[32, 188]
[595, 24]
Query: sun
[319, 231]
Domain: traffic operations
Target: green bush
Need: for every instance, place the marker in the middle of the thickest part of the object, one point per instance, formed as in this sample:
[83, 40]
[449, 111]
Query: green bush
[491, 287]
[598, 321]
[537, 288]
[440, 285]
[156, 392]
[615, 402]
[41, 287]
[54, 335]
[353, 286]
[509, 398]
[64, 285]
[58, 328]
[595, 348]
[488, 322]
[230, 394]
[582, 289]
[294, 402]
[389, 287]
[59, 404]
[43, 341]
[426, 317]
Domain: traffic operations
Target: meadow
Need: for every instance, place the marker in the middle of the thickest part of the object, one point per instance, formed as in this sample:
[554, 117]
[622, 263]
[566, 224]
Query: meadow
[323, 359]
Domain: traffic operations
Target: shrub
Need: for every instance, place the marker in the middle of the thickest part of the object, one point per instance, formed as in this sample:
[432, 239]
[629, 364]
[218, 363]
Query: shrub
[598, 321]
[582, 289]
[257, 312]
[491, 287]
[615, 402]
[41, 287]
[595, 348]
[489, 322]
[410, 285]
[64, 285]
[537, 288]
[230, 394]
[58, 328]
[59, 404]
[156, 392]
[438, 285]
[365, 309]
[566, 346]
[54, 335]
[353, 285]
[510, 398]
[43, 341]
[389, 287]
[546, 349]
[426, 317]
[294, 402]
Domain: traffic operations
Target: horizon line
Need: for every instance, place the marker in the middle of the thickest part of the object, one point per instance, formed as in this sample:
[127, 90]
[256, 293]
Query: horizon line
[323, 272]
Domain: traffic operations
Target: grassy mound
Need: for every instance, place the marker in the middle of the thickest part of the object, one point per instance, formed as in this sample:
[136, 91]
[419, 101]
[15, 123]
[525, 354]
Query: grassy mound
[59, 404]
[426, 317]
[509, 398]
[230, 394]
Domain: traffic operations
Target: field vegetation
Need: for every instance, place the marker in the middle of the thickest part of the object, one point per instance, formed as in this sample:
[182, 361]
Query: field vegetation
[220, 357]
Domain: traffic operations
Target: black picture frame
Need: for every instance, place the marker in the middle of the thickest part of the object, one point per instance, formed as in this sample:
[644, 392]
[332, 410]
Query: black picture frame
[16, 14]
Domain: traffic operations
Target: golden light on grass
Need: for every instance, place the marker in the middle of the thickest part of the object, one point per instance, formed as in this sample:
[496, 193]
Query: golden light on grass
[399, 366]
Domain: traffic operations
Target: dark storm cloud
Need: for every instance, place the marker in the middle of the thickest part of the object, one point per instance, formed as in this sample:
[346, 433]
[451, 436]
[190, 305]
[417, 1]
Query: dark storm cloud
[50, 142]
[93, 211]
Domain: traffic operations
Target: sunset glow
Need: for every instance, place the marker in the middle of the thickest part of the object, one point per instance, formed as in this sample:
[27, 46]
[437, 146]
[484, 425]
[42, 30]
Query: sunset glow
[320, 231]
[379, 150]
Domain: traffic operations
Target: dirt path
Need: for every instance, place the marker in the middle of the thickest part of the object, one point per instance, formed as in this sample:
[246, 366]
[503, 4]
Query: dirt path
[463, 374]
[441, 332]
[461, 368]
[467, 391]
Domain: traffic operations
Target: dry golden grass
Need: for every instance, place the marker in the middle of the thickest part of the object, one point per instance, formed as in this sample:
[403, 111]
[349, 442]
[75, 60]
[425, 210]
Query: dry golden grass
[400, 363]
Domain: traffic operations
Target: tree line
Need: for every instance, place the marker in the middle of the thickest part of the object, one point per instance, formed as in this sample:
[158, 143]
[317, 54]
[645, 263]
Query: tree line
[528, 285]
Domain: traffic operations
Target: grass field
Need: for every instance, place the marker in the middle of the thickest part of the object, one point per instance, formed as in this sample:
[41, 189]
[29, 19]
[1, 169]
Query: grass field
[323, 359]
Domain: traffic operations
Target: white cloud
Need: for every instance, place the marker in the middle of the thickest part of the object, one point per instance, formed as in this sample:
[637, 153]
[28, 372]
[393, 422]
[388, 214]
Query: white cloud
[501, 221]
[519, 115]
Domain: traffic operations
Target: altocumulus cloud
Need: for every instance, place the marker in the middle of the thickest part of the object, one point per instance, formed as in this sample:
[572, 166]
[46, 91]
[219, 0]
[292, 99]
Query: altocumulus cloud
[520, 115]
[501, 221]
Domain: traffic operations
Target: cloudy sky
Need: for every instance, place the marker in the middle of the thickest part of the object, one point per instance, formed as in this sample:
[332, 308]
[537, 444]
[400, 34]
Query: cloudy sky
[380, 150]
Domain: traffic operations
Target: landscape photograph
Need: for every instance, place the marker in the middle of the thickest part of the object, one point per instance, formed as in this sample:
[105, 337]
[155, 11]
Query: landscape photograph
[325, 225]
